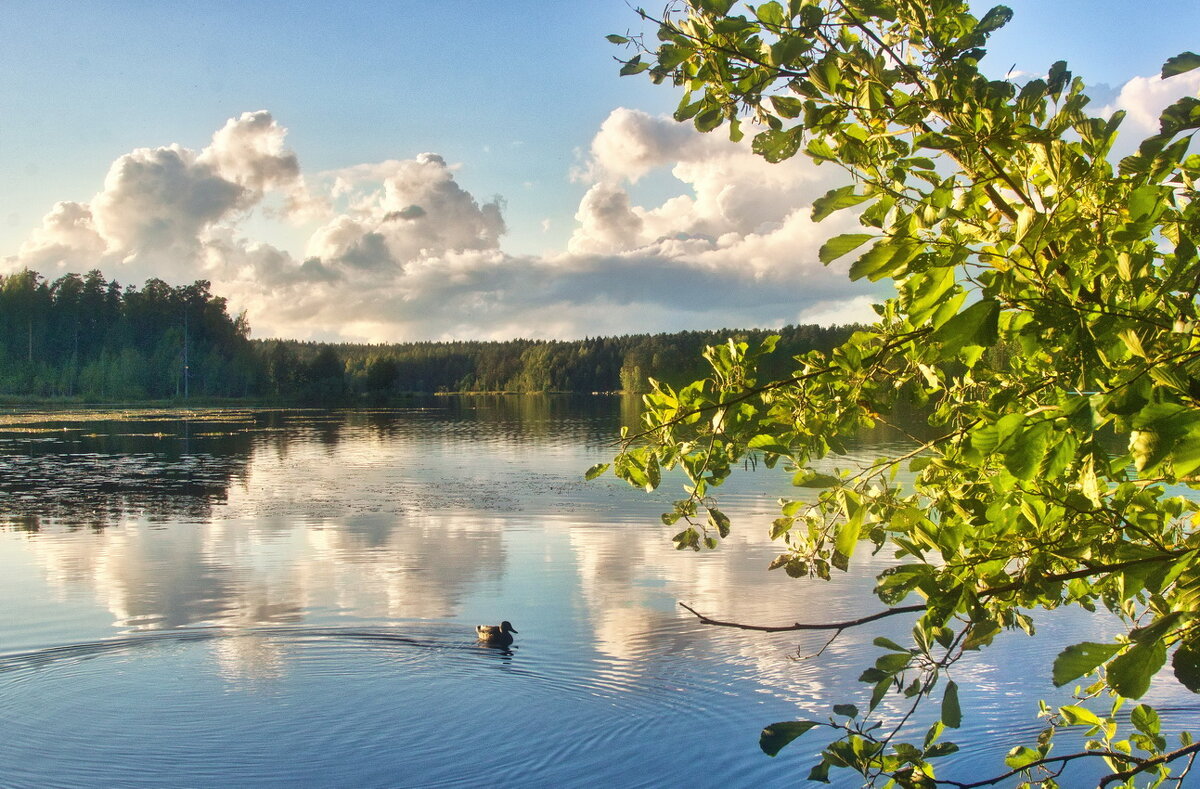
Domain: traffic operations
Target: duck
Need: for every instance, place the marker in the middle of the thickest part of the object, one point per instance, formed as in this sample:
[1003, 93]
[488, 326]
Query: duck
[496, 634]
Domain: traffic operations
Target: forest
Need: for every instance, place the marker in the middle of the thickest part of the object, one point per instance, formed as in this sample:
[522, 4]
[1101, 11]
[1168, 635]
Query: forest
[84, 338]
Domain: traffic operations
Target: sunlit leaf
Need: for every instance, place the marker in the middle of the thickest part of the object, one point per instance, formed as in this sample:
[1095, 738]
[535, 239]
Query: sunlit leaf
[1145, 719]
[1021, 756]
[1078, 659]
[596, 471]
[837, 246]
[835, 200]
[1130, 673]
[1074, 715]
[775, 146]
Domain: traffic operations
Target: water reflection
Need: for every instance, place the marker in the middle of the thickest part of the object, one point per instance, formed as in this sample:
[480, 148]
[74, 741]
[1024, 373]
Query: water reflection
[332, 564]
[96, 468]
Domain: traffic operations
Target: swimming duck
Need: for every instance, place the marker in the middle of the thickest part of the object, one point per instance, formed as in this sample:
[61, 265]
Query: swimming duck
[496, 634]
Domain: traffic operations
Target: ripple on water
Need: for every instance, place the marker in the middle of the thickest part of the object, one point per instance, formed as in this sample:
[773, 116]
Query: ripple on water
[417, 704]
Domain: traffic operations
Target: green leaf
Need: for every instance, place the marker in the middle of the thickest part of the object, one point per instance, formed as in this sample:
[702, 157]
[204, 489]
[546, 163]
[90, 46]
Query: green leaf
[820, 771]
[768, 443]
[615, 39]
[1057, 79]
[719, 520]
[845, 710]
[1079, 659]
[951, 712]
[787, 106]
[805, 478]
[844, 545]
[1186, 664]
[1025, 456]
[1074, 715]
[1130, 673]
[934, 141]
[770, 13]
[687, 110]
[981, 635]
[709, 119]
[837, 246]
[634, 66]
[820, 151]
[996, 18]
[976, 325]
[788, 49]
[835, 200]
[926, 290]
[595, 471]
[777, 145]
[777, 735]
[1021, 756]
[1183, 115]
[884, 259]
[887, 643]
[653, 477]
[941, 749]
[1145, 719]
[1183, 62]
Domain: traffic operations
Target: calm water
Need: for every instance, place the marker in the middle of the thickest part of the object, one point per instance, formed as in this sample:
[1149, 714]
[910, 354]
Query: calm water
[269, 598]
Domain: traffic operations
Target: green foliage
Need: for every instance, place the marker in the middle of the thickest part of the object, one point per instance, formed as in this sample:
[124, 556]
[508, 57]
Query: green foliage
[595, 364]
[1044, 323]
[84, 337]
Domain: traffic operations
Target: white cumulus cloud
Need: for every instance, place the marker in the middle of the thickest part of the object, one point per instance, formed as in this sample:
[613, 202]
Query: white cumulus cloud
[1144, 98]
[400, 250]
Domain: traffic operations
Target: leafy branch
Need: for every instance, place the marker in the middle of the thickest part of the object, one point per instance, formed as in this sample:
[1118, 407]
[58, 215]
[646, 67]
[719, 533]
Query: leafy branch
[1043, 308]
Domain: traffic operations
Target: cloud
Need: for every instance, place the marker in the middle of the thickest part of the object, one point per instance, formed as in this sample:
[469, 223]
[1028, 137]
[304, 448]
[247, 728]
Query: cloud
[1144, 98]
[631, 143]
[66, 239]
[417, 211]
[400, 250]
[158, 201]
[250, 151]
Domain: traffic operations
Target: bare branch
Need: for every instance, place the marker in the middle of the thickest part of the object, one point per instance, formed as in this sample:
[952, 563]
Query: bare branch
[905, 609]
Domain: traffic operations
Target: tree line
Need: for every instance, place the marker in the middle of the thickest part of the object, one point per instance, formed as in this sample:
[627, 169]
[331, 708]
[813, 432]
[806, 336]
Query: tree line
[84, 337]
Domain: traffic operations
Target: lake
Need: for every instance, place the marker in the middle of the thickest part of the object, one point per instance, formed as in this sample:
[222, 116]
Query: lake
[257, 597]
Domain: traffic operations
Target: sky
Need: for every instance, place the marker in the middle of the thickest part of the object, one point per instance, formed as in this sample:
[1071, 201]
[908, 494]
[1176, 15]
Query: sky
[412, 171]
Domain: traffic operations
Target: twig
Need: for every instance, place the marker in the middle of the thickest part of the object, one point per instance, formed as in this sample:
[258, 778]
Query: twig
[905, 609]
[1189, 750]
[1060, 760]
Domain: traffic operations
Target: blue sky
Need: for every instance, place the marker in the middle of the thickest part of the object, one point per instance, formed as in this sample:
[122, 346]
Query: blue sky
[552, 177]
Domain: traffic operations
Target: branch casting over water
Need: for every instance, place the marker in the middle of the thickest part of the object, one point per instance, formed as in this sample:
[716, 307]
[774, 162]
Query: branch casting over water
[839, 626]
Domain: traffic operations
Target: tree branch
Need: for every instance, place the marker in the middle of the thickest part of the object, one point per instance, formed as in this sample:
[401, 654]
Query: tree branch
[1098, 569]
[1149, 764]
[892, 344]
[1060, 760]
[905, 609]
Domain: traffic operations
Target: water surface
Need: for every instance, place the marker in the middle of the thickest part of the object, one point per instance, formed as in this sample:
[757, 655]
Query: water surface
[287, 597]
